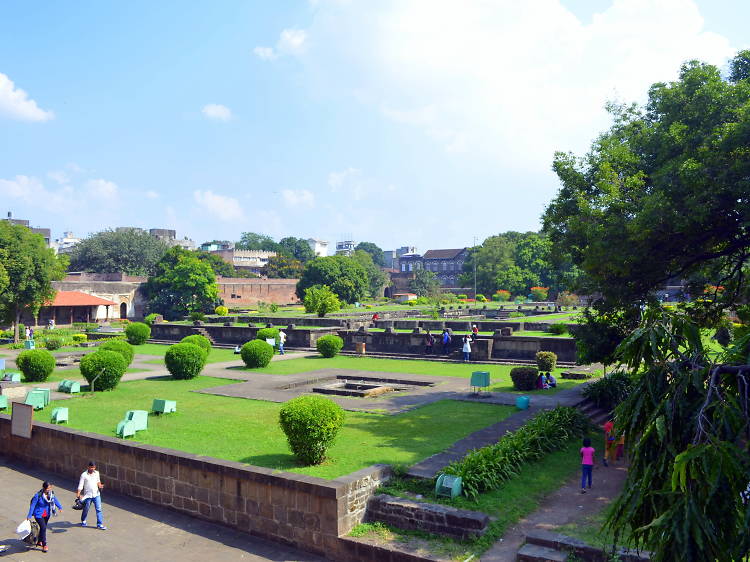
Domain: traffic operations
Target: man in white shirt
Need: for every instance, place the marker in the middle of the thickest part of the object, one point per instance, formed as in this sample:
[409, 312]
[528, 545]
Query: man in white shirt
[282, 341]
[89, 487]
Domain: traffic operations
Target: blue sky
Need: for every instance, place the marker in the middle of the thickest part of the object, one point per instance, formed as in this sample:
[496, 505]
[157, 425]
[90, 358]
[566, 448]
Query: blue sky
[418, 122]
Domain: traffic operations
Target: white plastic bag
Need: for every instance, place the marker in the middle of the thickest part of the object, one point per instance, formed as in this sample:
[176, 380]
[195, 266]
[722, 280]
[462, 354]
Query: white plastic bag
[24, 529]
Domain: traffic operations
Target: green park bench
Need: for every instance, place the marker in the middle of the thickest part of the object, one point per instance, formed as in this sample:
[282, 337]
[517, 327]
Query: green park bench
[29, 344]
[480, 380]
[164, 406]
[46, 392]
[126, 428]
[69, 387]
[59, 415]
[10, 376]
[139, 419]
[3, 402]
[36, 399]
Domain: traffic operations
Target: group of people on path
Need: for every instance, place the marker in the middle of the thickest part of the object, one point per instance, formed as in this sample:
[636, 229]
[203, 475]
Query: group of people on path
[614, 450]
[44, 504]
[446, 339]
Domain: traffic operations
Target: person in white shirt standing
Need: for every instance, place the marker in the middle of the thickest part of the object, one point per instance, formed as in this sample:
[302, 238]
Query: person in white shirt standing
[89, 487]
[282, 341]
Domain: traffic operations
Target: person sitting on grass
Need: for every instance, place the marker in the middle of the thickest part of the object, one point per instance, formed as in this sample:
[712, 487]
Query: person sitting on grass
[541, 382]
[551, 380]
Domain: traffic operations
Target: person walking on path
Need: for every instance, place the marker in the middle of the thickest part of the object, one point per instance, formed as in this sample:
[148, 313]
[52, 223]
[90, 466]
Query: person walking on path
[609, 442]
[446, 342]
[282, 341]
[43, 504]
[467, 348]
[429, 342]
[587, 464]
[89, 491]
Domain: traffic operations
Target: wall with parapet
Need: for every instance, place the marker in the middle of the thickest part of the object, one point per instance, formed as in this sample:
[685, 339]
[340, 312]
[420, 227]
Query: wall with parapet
[242, 292]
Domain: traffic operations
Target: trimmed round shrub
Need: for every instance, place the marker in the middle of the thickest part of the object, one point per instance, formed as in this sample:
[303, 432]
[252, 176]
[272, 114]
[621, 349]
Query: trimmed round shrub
[546, 361]
[137, 333]
[480, 298]
[329, 346]
[524, 378]
[221, 310]
[120, 346]
[106, 366]
[268, 333]
[311, 424]
[36, 364]
[80, 338]
[463, 296]
[150, 319]
[185, 360]
[53, 343]
[201, 341]
[558, 328]
[256, 353]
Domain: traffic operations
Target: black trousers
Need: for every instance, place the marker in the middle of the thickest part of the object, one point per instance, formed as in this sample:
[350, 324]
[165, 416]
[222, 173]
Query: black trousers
[42, 522]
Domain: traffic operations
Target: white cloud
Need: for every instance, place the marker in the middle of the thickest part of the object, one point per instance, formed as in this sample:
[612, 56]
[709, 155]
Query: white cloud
[337, 179]
[16, 104]
[355, 185]
[222, 207]
[59, 176]
[291, 42]
[150, 194]
[102, 189]
[265, 53]
[298, 197]
[217, 111]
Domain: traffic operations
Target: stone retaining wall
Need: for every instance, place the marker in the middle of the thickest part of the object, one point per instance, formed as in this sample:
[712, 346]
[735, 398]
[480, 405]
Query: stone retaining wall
[236, 335]
[522, 347]
[306, 512]
[411, 344]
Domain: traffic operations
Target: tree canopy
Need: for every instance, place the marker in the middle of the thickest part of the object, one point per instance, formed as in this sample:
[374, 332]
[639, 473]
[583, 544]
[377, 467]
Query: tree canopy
[425, 284]
[376, 253]
[130, 251]
[181, 283]
[344, 275]
[296, 248]
[27, 269]
[283, 267]
[255, 241]
[217, 263]
[376, 279]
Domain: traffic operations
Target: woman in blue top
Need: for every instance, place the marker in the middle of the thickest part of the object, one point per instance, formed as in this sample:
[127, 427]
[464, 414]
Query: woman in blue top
[43, 504]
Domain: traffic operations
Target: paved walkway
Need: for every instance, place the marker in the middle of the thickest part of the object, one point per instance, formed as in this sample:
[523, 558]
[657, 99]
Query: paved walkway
[137, 530]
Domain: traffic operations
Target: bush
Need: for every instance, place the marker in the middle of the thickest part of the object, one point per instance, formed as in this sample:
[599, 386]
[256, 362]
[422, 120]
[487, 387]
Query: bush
[502, 295]
[150, 319]
[546, 361]
[462, 296]
[107, 367]
[256, 353]
[221, 310]
[86, 326]
[558, 328]
[539, 293]
[610, 390]
[567, 299]
[516, 314]
[185, 360]
[480, 298]
[137, 333]
[274, 307]
[329, 346]
[487, 468]
[120, 346]
[53, 343]
[79, 338]
[268, 333]
[310, 424]
[197, 316]
[201, 341]
[321, 300]
[524, 378]
[36, 364]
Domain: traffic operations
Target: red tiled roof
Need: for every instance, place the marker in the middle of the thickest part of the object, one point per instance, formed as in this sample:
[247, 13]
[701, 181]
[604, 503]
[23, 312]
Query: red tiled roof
[442, 254]
[77, 298]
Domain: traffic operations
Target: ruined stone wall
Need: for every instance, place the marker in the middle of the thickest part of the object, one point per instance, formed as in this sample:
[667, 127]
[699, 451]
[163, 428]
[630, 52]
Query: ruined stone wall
[240, 291]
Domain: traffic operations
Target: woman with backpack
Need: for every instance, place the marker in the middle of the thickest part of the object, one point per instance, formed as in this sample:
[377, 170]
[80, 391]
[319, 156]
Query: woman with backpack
[429, 342]
[43, 504]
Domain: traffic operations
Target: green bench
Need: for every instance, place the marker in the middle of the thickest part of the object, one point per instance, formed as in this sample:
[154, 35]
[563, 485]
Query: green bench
[69, 387]
[36, 399]
[59, 415]
[126, 428]
[480, 380]
[3, 402]
[164, 406]
[12, 377]
[139, 419]
[46, 393]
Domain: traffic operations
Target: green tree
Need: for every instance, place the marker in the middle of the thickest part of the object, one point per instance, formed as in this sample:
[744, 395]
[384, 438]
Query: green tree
[283, 267]
[425, 284]
[129, 251]
[216, 262]
[376, 253]
[255, 241]
[296, 248]
[345, 276]
[321, 300]
[29, 268]
[182, 283]
[376, 279]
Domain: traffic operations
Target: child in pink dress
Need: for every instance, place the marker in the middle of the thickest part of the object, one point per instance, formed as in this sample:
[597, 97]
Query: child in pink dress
[587, 464]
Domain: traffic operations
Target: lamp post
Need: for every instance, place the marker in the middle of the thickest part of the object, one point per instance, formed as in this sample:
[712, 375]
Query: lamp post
[475, 273]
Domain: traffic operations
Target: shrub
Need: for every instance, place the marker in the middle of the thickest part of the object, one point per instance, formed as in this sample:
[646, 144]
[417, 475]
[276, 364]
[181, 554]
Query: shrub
[310, 423]
[107, 367]
[502, 295]
[221, 310]
[53, 343]
[610, 390]
[80, 338]
[36, 364]
[462, 296]
[256, 353]
[185, 360]
[329, 346]
[567, 299]
[268, 333]
[539, 293]
[516, 314]
[524, 378]
[558, 328]
[137, 333]
[274, 307]
[321, 300]
[487, 468]
[150, 319]
[120, 346]
[546, 361]
[197, 316]
[201, 341]
[480, 298]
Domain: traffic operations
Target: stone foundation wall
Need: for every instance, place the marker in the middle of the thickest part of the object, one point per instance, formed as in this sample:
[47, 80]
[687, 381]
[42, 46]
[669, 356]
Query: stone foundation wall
[521, 347]
[303, 511]
[236, 335]
[241, 291]
[412, 344]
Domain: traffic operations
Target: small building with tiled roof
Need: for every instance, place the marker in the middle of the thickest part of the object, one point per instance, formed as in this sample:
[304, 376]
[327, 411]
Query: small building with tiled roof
[68, 307]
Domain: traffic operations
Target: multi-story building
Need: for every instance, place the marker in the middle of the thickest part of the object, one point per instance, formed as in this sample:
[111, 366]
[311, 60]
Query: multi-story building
[169, 237]
[391, 257]
[319, 247]
[250, 260]
[345, 247]
[65, 244]
[446, 264]
[216, 245]
[43, 232]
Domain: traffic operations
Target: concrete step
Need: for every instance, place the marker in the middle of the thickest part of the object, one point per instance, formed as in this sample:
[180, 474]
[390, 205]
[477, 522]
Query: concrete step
[536, 553]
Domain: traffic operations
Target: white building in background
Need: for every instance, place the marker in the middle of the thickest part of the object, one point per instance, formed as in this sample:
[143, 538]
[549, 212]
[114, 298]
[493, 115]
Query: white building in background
[65, 244]
[345, 248]
[319, 247]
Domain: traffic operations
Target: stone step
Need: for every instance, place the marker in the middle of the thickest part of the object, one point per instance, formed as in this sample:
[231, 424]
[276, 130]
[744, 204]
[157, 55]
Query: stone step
[536, 553]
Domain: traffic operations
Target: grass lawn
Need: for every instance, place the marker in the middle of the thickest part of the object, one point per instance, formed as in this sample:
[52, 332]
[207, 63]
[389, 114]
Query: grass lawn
[515, 499]
[538, 334]
[569, 317]
[247, 431]
[217, 355]
[75, 375]
[499, 374]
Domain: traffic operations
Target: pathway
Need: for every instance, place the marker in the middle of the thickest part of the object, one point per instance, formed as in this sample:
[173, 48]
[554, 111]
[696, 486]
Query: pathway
[137, 530]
